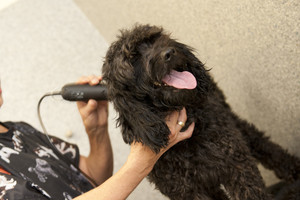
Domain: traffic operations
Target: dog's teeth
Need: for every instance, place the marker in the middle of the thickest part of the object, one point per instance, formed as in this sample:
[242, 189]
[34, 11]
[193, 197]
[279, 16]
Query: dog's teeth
[157, 84]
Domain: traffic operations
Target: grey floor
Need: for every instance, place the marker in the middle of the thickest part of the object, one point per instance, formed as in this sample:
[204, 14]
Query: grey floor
[45, 44]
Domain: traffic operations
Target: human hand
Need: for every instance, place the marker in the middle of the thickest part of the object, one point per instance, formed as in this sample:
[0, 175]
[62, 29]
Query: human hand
[98, 165]
[143, 157]
[94, 113]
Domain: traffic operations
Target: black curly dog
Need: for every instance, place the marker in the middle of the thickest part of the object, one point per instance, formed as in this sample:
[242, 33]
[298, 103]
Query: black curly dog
[148, 74]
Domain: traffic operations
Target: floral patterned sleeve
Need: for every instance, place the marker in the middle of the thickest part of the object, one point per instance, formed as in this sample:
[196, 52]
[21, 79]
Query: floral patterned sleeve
[35, 167]
[13, 187]
[68, 150]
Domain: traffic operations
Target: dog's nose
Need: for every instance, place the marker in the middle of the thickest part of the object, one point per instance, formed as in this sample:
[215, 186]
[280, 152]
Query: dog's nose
[168, 54]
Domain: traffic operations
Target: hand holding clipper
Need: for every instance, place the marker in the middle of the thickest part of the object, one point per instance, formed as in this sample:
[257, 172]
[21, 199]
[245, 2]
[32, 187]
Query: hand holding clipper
[78, 92]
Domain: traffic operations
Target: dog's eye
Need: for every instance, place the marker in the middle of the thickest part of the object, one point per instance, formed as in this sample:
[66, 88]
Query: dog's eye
[167, 54]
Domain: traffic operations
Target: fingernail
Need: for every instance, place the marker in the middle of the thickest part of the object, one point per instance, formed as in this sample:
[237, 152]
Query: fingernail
[95, 81]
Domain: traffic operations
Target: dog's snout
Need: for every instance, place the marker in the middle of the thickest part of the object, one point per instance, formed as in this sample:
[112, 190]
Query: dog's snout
[168, 54]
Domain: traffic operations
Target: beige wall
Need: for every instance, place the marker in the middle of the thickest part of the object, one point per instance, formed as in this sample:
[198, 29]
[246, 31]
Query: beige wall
[253, 48]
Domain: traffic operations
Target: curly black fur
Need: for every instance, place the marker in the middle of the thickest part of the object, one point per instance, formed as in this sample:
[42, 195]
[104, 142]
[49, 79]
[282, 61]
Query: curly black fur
[219, 160]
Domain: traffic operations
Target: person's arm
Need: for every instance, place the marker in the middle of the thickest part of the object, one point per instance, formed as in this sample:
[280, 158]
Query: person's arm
[98, 165]
[139, 164]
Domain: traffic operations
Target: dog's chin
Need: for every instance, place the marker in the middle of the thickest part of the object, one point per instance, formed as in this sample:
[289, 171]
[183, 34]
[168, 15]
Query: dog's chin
[171, 97]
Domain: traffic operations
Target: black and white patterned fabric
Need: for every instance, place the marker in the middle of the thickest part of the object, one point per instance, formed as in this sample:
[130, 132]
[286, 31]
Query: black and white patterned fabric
[38, 170]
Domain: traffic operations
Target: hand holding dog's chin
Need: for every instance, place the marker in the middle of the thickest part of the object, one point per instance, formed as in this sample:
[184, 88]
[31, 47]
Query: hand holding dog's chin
[143, 159]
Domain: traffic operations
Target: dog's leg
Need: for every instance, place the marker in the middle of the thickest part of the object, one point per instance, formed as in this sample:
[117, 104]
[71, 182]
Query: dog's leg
[241, 187]
[271, 155]
[239, 178]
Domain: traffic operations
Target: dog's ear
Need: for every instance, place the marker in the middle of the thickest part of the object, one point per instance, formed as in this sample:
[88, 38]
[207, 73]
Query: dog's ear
[117, 70]
[140, 124]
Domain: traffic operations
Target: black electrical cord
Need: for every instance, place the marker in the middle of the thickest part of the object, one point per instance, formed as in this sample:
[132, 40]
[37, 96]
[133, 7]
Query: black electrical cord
[47, 134]
[39, 112]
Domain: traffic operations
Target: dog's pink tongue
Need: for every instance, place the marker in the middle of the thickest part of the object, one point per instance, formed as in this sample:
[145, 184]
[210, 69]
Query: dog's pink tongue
[180, 80]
